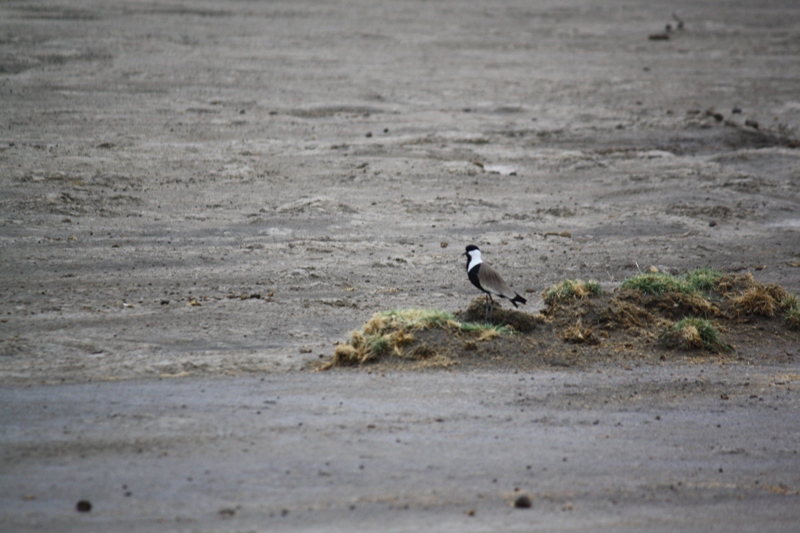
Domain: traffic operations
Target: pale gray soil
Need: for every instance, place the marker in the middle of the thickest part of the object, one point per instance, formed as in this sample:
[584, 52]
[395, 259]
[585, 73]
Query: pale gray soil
[651, 449]
[207, 188]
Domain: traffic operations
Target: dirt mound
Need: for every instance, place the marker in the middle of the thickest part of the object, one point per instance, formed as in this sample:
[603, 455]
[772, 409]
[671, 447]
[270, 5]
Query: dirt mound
[735, 317]
[519, 320]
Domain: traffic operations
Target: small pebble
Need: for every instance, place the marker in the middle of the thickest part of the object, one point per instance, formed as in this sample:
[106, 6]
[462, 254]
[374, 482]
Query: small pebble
[84, 506]
[523, 502]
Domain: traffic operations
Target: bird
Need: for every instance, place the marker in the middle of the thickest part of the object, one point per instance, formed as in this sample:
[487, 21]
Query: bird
[488, 280]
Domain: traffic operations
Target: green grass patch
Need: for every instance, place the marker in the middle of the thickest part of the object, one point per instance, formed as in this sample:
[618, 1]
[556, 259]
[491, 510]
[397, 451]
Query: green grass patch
[415, 318]
[789, 302]
[379, 345]
[792, 318]
[658, 283]
[791, 309]
[700, 333]
[572, 288]
[703, 279]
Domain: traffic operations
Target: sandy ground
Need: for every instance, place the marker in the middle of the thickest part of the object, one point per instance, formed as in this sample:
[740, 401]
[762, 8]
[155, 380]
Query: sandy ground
[202, 189]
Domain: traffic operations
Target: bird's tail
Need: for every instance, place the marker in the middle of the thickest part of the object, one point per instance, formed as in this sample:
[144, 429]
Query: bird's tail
[519, 299]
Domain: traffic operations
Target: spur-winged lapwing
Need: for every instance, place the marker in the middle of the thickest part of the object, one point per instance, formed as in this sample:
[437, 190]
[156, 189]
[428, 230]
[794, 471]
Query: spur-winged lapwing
[487, 279]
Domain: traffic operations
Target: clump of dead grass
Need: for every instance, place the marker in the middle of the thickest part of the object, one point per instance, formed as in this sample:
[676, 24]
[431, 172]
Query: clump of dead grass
[695, 333]
[763, 300]
[736, 283]
[578, 334]
[746, 298]
[755, 301]
[572, 288]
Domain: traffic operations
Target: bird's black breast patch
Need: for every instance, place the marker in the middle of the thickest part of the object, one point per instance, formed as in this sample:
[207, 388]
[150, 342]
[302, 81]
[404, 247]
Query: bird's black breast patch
[473, 277]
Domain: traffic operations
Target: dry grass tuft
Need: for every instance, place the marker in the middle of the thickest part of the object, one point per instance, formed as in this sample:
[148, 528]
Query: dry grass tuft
[735, 283]
[577, 334]
[778, 293]
[377, 324]
[755, 301]
[691, 337]
[346, 355]
[487, 334]
[746, 297]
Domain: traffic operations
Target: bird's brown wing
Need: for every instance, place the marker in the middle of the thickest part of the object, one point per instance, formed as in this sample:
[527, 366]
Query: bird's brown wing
[492, 282]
